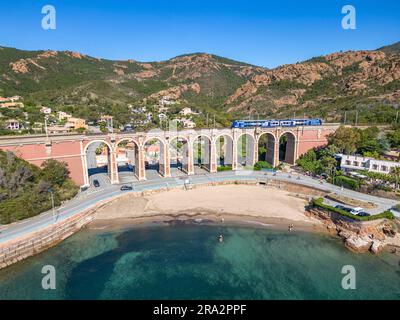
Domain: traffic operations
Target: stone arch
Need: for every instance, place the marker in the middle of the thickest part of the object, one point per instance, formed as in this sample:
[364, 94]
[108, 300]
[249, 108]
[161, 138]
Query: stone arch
[201, 146]
[266, 148]
[287, 147]
[97, 140]
[245, 145]
[154, 157]
[127, 159]
[98, 161]
[224, 150]
[179, 155]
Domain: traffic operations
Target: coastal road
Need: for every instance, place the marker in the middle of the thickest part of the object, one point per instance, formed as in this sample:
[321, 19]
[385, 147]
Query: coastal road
[91, 197]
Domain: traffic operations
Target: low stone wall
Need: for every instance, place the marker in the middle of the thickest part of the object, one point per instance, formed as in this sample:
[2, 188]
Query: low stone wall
[33, 243]
[296, 188]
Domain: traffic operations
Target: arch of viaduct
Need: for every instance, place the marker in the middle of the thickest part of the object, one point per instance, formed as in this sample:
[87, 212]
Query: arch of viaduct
[72, 149]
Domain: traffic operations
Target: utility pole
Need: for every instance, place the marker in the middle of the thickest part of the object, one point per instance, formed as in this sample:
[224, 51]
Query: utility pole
[397, 115]
[356, 118]
[52, 205]
[345, 117]
[214, 121]
[207, 120]
[45, 126]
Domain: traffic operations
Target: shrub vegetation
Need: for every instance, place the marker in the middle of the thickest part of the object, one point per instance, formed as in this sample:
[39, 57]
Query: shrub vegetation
[319, 202]
[25, 188]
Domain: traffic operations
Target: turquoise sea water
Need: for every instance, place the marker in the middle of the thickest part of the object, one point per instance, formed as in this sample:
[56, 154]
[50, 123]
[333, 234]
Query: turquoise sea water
[187, 262]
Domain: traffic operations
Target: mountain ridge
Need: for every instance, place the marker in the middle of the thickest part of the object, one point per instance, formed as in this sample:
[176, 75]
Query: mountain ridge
[321, 86]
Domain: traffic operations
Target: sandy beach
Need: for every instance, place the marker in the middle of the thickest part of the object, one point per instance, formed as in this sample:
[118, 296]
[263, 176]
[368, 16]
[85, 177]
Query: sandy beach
[228, 203]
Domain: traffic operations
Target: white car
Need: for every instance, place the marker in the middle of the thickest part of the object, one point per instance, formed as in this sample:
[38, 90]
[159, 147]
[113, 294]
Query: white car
[356, 210]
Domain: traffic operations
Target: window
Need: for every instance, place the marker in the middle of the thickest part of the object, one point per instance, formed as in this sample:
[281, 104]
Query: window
[348, 162]
[384, 168]
[355, 163]
[375, 167]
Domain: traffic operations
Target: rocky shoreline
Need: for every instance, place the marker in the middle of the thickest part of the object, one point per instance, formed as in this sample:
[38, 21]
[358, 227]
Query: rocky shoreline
[361, 236]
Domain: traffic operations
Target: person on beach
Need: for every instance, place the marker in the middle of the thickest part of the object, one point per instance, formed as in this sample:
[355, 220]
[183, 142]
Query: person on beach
[291, 227]
[221, 238]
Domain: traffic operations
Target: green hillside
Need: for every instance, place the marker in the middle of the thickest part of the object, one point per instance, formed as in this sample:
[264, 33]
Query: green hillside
[363, 84]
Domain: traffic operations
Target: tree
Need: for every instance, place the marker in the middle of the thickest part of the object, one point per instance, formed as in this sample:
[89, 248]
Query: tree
[370, 146]
[396, 172]
[371, 154]
[394, 138]
[369, 142]
[103, 127]
[384, 144]
[328, 164]
[345, 139]
[308, 161]
[55, 172]
[80, 130]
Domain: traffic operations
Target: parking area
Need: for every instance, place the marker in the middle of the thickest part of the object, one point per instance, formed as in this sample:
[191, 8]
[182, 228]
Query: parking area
[348, 208]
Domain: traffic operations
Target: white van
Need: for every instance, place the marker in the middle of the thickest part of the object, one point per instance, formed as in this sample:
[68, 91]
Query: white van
[356, 210]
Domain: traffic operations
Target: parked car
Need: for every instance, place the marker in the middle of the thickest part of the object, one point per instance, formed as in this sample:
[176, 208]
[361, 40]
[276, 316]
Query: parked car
[146, 164]
[339, 206]
[356, 210]
[96, 183]
[363, 214]
[126, 188]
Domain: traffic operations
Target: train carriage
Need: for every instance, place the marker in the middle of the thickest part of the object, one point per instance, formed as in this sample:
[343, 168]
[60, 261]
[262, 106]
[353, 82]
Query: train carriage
[276, 123]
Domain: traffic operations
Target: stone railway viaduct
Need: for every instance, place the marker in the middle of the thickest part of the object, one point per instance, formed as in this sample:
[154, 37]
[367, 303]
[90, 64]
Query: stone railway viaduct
[72, 148]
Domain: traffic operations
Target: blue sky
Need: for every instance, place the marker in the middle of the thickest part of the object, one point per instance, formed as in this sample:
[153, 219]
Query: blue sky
[266, 33]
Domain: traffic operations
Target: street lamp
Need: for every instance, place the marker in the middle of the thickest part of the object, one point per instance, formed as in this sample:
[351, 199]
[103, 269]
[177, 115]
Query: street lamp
[52, 204]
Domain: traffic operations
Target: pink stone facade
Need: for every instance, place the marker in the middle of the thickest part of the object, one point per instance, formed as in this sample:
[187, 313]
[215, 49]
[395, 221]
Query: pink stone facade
[72, 149]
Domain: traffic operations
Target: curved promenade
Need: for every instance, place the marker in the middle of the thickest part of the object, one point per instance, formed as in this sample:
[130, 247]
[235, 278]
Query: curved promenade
[93, 197]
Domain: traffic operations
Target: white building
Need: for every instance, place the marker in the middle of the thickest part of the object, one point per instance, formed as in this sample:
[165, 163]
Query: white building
[364, 163]
[63, 115]
[187, 123]
[45, 110]
[187, 111]
[13, 124]
[164, 101]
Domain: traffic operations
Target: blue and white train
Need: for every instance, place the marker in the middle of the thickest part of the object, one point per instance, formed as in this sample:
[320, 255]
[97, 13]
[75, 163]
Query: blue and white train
[275, 123]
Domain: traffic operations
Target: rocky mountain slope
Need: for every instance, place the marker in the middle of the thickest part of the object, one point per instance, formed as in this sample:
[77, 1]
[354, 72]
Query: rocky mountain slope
[323, 85]
[326, 86]
[74, 78]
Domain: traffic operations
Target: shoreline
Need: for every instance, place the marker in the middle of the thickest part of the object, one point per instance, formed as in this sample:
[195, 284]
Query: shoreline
[244, 205]
[291, 197]
[239, 203]
[207, 217]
